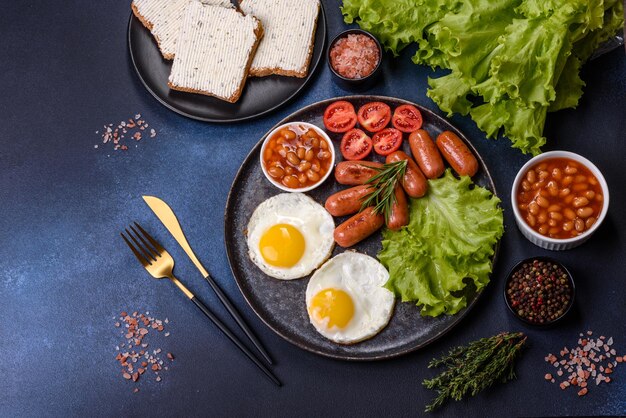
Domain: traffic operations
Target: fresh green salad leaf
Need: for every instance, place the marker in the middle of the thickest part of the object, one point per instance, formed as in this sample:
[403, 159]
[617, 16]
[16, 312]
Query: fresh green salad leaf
[396, 23]
[511, 60]
[451, 236]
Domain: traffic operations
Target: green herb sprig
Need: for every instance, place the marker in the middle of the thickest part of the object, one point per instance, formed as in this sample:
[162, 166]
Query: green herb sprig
[475, 367]
[383, 196]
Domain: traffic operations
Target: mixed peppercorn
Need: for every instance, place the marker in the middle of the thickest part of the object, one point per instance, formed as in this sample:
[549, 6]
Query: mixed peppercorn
[539, 291]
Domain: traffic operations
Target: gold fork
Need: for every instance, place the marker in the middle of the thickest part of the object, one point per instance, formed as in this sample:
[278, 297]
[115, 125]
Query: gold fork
[160, 264]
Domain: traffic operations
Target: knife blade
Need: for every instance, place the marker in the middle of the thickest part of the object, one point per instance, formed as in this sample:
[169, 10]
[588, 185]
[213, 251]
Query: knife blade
[168, 218]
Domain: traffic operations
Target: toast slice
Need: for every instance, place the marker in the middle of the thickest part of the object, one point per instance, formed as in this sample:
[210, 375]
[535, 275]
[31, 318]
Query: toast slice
[163, 18]
[214, 51]
[288, 43]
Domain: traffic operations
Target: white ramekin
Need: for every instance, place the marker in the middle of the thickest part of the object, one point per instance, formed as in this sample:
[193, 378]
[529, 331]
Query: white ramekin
[302, 189]
[553, 243]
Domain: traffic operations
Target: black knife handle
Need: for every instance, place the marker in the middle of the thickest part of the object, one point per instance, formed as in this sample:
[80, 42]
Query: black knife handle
[237, 317]
[235, 340]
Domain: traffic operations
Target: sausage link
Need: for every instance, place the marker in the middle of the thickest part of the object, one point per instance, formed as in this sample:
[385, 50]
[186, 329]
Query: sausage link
[348, 201]
[457, 154]
[399, 215]
[358, 227]
[425, 153]
[414, 182]
[353, 173]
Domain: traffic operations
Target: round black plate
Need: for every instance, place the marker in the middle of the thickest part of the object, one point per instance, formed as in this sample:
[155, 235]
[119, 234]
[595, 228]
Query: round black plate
[260, 95]
[280, 304]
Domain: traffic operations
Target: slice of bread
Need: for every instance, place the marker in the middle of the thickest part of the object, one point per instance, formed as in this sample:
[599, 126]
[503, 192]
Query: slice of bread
[214, 51]
[163, 18]
[288, 43]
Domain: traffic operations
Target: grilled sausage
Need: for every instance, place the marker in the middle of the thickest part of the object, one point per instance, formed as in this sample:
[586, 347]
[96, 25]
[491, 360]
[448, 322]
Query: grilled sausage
[358, 227]
[348, 201]
[355, 172]
[425, 153]
[399, 215]
[457, 154]
[414, 182]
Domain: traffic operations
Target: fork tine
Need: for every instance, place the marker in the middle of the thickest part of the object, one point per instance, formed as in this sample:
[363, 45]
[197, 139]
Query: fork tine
[153, 250]
[139, 256]
[154, 242]
[147, 253]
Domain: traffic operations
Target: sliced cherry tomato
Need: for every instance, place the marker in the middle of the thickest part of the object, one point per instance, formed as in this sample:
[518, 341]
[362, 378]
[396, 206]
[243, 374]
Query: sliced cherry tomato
[340, 116]
[407, 118]
[387, 141]
[355, 145]
[374, 116]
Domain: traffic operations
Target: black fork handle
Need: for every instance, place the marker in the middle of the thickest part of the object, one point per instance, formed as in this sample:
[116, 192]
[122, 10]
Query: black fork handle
[237, 317]
[235, 340]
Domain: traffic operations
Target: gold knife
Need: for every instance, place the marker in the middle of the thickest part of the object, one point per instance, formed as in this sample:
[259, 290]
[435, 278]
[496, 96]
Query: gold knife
[168, 218]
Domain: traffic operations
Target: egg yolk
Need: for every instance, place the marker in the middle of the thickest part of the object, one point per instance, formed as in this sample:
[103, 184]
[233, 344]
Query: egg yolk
[282, 245]
[334, 304]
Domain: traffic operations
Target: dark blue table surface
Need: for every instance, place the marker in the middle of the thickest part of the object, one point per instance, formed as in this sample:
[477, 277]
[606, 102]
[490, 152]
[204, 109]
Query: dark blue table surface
[65, 273]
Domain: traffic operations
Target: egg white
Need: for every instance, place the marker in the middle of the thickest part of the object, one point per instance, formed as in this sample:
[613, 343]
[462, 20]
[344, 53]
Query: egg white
[313, 221]
[362, 277]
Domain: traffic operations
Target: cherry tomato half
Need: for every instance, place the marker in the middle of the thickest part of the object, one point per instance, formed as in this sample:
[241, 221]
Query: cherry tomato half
[374, 116]
[355, 145]
[340, 116]
[407, 118]
[387, 141]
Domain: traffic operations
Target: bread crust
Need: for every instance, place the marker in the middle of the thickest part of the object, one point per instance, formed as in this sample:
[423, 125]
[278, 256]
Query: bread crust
[149, 25]
[264, 72]
[258, 32]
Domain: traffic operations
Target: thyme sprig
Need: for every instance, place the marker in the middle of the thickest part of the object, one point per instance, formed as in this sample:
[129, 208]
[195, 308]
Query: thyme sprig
[475, 367]
[382, 197]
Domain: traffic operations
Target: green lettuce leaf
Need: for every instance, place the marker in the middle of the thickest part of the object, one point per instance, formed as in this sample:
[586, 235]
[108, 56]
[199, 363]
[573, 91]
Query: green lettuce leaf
[513, 60]
[532, 55]
[396, 23]
[467, 37]
[450, 92]
[569, 88]
[450, 237]
[521, 123]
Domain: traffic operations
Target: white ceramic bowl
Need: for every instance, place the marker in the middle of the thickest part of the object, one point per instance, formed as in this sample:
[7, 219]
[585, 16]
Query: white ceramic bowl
[553, 243]
[306, 125]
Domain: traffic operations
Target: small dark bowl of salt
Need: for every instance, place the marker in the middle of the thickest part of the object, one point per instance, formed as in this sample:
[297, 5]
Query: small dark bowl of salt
[539, 291]
[354, 58]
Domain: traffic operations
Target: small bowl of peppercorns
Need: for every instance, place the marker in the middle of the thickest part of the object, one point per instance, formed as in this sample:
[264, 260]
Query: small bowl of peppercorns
[539, 291]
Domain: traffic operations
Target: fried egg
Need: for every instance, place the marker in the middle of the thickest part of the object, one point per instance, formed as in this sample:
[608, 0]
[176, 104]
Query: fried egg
[346, 300]
[290, 235]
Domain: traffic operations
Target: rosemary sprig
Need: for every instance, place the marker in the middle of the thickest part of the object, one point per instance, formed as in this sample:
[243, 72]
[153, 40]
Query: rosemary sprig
[473, 368]
[383, 196]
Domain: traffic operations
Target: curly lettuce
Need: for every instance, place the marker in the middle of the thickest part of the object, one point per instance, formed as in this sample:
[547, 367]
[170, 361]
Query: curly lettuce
[512, 59]
[450, 237]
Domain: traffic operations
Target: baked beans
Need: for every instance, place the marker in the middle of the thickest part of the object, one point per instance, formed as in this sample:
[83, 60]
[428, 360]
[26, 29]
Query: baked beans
[560, 198]
[297, 157]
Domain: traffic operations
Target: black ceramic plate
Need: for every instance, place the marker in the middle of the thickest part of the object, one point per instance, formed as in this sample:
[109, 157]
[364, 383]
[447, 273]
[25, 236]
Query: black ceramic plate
[260, 95]
[280, 304]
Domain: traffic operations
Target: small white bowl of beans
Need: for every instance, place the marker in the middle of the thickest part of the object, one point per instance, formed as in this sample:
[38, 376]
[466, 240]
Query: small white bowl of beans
[559, 199]
[297, 157]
